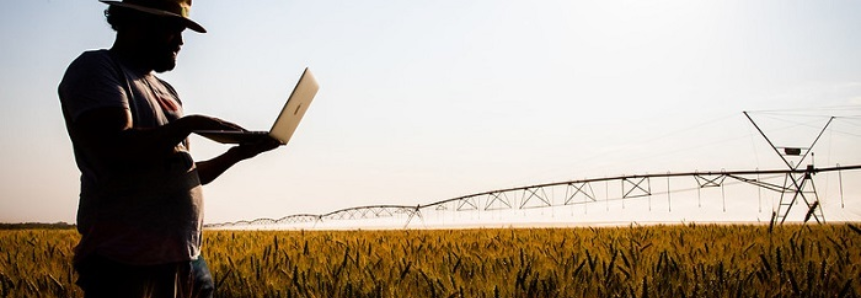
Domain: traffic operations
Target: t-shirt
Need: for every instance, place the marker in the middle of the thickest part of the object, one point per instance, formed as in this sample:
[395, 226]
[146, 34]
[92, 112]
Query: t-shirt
[140, 213]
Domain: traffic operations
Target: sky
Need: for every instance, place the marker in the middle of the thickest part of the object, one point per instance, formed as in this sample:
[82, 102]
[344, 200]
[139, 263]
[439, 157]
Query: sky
[422, 101]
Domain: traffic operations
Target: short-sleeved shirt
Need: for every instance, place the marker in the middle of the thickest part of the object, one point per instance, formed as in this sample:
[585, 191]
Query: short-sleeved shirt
[136, 213]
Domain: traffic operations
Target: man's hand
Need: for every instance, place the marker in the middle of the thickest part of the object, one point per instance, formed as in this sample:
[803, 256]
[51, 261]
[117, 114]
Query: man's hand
[211, 169]
[249, 150]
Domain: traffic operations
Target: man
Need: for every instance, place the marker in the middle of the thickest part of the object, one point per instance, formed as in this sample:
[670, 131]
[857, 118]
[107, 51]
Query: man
[140, 210]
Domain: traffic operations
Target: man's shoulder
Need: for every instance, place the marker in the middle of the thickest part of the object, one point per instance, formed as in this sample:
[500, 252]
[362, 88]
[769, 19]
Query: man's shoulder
[95, 53]
[91, 77]
[90, 63]
[93, 57]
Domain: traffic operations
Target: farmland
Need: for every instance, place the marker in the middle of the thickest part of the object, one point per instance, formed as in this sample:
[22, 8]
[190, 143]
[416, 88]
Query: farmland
[653, 261]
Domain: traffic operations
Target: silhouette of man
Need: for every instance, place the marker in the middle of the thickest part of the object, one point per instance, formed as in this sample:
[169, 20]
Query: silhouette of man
[140, 209]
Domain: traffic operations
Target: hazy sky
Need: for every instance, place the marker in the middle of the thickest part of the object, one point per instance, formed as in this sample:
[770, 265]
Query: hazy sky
[427, 100]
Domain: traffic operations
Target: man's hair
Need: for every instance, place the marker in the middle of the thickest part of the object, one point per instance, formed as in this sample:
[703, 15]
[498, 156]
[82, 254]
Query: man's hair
[119, 17]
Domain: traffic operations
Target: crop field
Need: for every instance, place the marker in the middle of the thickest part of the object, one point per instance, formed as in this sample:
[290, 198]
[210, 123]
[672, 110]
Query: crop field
[652, 261]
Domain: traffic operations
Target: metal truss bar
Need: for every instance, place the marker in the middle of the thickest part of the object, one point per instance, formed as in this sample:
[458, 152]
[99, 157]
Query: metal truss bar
[704, 182]
[466, 201]
[782, 215]
[396, 207]
[799, 184]
[533, 192]
[636, 186]
[495, 198]
[579, 188]
[299, 218]
[380, 212]
[416, 211]
[262, 221]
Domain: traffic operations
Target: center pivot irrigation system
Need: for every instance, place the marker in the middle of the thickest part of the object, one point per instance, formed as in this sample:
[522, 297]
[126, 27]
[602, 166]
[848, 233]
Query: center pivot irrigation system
[798, 187]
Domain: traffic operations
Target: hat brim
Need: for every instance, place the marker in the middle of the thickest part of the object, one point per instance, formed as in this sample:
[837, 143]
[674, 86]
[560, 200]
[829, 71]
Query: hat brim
[190, 24]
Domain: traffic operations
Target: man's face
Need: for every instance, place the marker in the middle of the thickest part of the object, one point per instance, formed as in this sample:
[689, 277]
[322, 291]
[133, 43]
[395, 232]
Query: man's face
[162, 41]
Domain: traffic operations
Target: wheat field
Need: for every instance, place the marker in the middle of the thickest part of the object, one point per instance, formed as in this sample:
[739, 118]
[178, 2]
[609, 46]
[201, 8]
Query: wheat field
[651, 261]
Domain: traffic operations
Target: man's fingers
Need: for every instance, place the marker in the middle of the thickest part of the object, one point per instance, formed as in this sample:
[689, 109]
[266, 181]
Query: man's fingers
[227, 125]
[201, 122]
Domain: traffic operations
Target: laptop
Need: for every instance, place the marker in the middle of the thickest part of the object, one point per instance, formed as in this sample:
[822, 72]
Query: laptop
[284, 125]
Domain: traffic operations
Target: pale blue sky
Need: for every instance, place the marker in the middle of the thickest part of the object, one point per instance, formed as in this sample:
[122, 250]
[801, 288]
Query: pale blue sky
[428, 100]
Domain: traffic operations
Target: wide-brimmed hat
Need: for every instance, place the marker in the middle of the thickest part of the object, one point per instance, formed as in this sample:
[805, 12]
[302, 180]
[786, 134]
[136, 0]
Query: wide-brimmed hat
[166, 8]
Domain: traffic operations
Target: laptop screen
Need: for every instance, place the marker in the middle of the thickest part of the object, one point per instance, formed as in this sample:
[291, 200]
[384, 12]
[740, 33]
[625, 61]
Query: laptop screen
[295, 107]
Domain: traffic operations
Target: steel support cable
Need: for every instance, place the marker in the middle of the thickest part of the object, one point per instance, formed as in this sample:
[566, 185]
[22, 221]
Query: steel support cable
[699, 196]
[759, 193]
[846, 133]
[650, 196]
[847, 120]
[566, 196]
[710, 144]
[669, 201]
[753, 145]
[774, 115]
[795, 123]
[759, 182]
[691, 127]
[852, 117]
[592, 198]
[854, 125]
[756, 157]
[827, 162]
[623, 193]
[837, 108]
[607, 193]
[676, 152]
[810, 125]
[723, 196]
[840, 176]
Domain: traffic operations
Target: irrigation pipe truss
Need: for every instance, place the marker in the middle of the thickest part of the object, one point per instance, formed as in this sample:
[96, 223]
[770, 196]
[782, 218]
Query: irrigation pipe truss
[632, 186]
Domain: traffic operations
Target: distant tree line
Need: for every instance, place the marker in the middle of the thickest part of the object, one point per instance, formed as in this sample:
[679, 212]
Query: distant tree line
[36, 225]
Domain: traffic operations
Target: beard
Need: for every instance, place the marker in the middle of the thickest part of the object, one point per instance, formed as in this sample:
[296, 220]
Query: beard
[165, 60]
[161, 55]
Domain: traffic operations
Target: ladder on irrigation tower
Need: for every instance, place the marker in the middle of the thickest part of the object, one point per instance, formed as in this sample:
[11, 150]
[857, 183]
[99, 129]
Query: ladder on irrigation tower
[798, 183]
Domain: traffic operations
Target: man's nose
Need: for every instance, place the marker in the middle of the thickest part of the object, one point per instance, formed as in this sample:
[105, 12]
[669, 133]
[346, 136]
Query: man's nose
[178, 39]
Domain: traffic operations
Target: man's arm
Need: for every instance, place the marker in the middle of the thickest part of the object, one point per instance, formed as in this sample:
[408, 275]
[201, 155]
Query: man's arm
[108, 132]
[211, 169]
